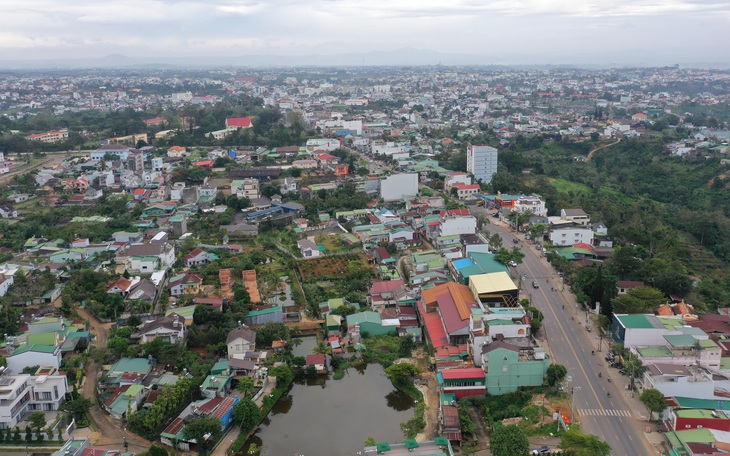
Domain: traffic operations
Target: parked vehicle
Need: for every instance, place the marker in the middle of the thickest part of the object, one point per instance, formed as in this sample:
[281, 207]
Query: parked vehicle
[535, 285]
[542, 450]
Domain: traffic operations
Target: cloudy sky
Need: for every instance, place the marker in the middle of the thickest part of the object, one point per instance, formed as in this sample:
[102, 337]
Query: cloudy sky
[505, 31]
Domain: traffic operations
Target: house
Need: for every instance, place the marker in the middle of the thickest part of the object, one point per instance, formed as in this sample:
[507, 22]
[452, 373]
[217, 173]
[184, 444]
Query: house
[234, 123]
[571, 236]
[216, 386]
[370, 323]
[577, 216]
[386, 293]
[319, 362]
[509, 367]
[308, 248]
[23, 393]
[185, 284]
[220, 408]
[8, 212]
[143, 290]
[623, 286]
[170, 328]
[454, 302]
[122, 286]
[240, 341]
[34, 355]
[196, 258]
[5, 284]
[125, 401]
[462, 382]
[289, 185]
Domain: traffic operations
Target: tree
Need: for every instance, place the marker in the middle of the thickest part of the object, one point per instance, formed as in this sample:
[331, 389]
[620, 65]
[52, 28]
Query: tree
[537, 231]
[638, 300]
[78, 408]
[370, 441]
[509, 441]
[283, 374]
[653, 399]
[37, 421]
[495, 242]
[204, 430]
[271, 332]
[401, 373]
[505, 256]
[247, 414]
[574, 442]
[556, 373]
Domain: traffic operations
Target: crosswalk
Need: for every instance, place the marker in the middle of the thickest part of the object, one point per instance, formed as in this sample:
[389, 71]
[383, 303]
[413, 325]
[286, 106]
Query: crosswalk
[604, 412]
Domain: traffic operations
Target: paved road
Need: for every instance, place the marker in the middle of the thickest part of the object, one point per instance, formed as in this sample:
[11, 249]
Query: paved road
[613, 419]
[109, 431]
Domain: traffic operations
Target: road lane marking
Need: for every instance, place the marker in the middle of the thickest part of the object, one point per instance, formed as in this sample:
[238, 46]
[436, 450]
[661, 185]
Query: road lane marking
[562, 330]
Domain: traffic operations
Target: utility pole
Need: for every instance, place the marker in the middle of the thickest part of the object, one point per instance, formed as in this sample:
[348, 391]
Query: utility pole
[572, 403]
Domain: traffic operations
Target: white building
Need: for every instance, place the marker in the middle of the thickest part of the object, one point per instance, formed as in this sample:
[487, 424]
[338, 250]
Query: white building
[458, 225]
[454, 178]
[398, 186]
[388, 148]
[34, 355]
[481, 162]
[577, 216]
[325, 144]
[531, 204]
[571, 236]
[23, 393]
[246, 188]
[5, 284]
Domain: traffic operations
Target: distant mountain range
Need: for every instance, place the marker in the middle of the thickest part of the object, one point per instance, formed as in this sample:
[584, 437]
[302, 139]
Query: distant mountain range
[397, 57]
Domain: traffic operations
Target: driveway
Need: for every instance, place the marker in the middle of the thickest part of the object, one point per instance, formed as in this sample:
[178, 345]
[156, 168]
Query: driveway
[108, 431]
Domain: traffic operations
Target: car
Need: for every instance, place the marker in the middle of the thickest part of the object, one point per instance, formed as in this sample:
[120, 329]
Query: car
[513, 264]
[535, 285]
[541, 450]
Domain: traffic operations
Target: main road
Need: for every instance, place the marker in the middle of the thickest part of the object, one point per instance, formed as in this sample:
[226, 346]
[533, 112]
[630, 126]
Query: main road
[612, 418]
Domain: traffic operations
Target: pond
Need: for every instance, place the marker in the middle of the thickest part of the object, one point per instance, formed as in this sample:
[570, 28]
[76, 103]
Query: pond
[334, 417]
[305, 348]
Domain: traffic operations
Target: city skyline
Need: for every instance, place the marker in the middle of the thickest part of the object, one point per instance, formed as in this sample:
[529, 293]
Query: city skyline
[350, 32]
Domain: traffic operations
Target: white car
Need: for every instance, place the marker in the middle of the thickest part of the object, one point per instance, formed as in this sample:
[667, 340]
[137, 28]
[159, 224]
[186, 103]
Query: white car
[513, 264]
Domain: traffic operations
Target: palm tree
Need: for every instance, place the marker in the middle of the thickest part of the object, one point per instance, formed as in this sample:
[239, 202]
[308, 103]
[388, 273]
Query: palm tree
[320, 349]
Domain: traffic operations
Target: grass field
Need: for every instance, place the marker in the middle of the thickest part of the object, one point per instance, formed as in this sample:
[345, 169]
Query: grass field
[564, 186]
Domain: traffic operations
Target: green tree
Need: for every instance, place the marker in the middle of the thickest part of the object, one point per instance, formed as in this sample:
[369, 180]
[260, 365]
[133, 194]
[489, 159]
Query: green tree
[78, 408]
[284, 375]
[556, 373]
[653, 399]
[205, 430]
[574, 442]
[509, 441]
[37, 421]
[370, 441]
[639, 300]
[247, 414]
[401, 373]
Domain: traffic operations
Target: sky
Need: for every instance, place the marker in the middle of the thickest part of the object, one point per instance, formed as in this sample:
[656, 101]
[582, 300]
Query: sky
[487, 31]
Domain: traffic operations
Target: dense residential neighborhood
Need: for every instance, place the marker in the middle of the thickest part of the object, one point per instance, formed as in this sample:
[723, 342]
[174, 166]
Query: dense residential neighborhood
[506, 248]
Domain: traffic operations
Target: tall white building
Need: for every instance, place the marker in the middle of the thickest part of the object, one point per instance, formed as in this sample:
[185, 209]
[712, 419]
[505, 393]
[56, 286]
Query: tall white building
[481, 162]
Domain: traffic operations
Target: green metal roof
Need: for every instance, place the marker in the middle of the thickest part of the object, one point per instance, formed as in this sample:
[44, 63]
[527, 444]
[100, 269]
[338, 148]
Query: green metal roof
[635, 321]
[681, 340]
[656, 351]
[266, 311]
[699, 413]
[35, 348]
[694, 403]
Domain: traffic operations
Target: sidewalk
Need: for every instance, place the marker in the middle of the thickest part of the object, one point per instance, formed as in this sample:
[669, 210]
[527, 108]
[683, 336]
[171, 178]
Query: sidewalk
[234, 431]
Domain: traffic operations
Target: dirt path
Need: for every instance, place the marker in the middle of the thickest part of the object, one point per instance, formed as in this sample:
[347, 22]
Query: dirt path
[482, 437]
[591, 153]
[108, 431]
[431, 399]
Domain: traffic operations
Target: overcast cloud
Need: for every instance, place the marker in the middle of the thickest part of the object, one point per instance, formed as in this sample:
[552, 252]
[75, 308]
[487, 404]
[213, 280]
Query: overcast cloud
[508, 31]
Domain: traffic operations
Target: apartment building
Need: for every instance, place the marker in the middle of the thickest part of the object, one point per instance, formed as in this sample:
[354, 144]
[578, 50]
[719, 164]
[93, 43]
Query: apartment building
[481, 162]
